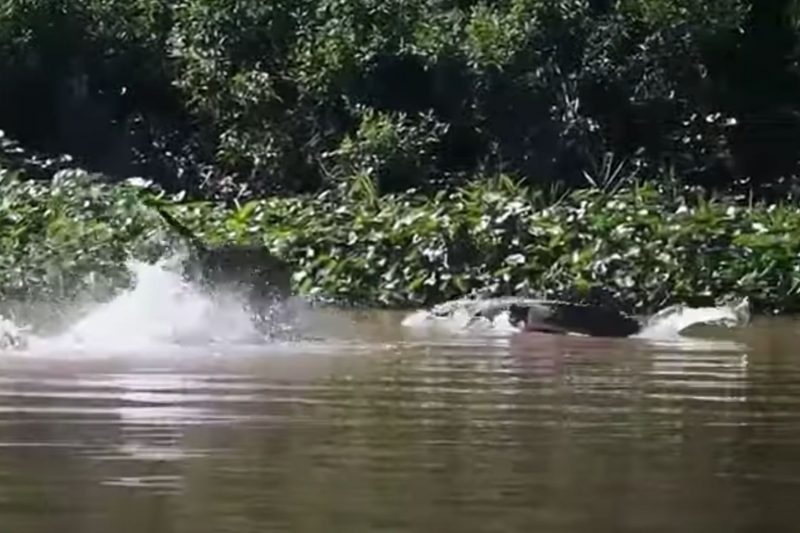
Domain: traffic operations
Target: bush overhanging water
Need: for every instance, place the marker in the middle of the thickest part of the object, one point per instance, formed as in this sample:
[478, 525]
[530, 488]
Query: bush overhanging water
[647, 247]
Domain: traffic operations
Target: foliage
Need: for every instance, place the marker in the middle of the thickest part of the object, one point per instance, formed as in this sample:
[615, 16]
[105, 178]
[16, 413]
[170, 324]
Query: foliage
[70, 236]
[93, 79]
[393, 150]
[236, 98]
[643, 246]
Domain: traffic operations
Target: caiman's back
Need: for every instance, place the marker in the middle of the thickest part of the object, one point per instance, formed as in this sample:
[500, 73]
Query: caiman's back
[568, 317]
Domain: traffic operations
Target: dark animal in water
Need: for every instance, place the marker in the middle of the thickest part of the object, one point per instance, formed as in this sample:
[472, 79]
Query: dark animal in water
[554, 316]
[565, 317]
[596, 320]
[251, 270]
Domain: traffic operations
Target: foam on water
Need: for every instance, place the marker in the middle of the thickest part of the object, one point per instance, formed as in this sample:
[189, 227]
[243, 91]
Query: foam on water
[458, 321]
[11, 335]
[161, 310]
[672, 321]
[459, 317]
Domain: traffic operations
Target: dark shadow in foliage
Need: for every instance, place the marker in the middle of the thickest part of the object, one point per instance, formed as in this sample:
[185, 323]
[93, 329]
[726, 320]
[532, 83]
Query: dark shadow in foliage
[539, 89]
[412, 84]
[760, 83]
[99, 90]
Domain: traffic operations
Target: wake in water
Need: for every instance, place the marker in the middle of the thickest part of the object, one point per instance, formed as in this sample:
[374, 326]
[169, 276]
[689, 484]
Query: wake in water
[674, 320]
[160, 311]
[490, 315]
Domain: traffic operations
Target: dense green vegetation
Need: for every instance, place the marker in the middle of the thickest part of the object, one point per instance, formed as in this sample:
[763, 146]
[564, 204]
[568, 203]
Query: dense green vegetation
[647, 247]
[238, 97]
[401, 152]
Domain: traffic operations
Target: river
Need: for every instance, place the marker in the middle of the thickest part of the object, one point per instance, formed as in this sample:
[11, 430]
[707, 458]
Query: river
[368, 426]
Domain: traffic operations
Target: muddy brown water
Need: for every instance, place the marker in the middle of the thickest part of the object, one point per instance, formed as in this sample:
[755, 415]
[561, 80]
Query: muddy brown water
[388, 431]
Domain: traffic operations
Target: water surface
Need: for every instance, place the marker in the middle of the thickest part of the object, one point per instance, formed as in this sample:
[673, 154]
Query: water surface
[374, 427]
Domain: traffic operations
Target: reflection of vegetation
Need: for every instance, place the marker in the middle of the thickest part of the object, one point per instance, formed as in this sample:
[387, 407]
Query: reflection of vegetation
[644, 245]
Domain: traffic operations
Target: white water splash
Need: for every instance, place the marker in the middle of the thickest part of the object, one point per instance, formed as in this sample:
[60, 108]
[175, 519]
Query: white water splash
[160, 311]
[12, 337]
[459, 317]
[672, 321]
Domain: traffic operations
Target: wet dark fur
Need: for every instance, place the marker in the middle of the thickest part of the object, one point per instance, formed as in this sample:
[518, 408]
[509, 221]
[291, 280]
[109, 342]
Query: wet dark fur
[251, 270]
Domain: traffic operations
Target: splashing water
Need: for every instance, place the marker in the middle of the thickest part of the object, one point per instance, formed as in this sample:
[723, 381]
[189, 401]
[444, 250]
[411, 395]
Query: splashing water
[460, 317]
[160, 311]
[11, 335]
[671, 321]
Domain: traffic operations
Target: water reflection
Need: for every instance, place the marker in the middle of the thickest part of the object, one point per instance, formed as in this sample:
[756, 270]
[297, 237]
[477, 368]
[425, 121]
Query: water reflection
[401, 432]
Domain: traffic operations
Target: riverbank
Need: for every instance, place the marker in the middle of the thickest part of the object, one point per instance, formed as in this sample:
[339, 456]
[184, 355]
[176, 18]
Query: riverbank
[646, 247]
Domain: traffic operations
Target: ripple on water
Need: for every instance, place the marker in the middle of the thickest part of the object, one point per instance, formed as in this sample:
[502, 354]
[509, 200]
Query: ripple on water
[398, 431]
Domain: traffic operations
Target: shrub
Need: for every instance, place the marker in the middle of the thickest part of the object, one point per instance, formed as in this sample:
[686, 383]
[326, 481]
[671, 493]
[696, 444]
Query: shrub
[644, 247]
[238, 98]
[398, 152]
